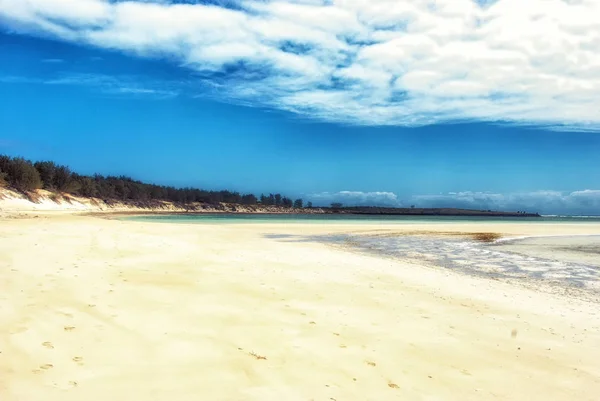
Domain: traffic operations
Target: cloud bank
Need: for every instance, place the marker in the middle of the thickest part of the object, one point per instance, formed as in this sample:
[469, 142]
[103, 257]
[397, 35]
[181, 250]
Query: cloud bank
[355, 198]
[376, 62]
[584, 202]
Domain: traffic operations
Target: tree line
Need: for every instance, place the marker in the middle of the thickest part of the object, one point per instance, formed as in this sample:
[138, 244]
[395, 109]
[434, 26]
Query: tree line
[24, 175]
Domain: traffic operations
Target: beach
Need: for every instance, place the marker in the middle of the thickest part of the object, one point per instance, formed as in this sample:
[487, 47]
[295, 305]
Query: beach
[94, 309]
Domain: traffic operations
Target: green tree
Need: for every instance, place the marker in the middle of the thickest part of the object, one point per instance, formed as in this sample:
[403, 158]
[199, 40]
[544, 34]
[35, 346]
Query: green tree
[63, 179]
[309, 205]
[87, 187]
[336, 205]
[47, 170]
[298, 203]
[21, 174]
[249, 199]
[5, 165]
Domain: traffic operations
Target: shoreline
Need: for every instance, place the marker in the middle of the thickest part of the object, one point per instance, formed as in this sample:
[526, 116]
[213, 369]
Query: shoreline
[44, 200]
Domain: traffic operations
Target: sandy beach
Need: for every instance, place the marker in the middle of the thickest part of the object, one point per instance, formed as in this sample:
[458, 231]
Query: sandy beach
[96, 309]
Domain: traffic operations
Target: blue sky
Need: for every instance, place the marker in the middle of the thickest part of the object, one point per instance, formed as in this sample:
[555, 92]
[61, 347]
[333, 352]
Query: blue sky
[312, 99]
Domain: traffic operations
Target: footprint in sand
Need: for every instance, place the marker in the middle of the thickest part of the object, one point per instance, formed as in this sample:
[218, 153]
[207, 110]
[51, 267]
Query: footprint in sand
[48, 344]
[69, 328]
[46, 366]
[258, 357]
[77, 359]
[393, 385]
[371, 363]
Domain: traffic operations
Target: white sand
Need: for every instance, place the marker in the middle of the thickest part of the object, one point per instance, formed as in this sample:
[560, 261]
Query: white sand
[95, 310]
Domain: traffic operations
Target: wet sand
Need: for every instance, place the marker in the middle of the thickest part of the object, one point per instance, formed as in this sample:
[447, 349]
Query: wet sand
[572, 249]
[94, 309]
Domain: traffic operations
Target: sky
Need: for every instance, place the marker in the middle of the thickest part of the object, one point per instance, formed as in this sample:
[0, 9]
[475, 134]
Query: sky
[447, 103]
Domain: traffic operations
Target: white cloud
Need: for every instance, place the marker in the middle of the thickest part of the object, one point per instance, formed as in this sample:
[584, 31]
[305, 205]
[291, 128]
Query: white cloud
[113, 85]
[585, 202]
[355, 198]
[394, 62]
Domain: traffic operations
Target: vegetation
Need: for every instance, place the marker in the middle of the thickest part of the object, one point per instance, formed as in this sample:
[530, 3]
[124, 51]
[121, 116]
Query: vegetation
[23, 175]
[20, 173]
[275, 200]
[55, 177]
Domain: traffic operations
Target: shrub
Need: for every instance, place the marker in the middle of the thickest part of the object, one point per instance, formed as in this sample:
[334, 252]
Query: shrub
[87, 187]
[47, 170]
[62, 179]
[21, 174]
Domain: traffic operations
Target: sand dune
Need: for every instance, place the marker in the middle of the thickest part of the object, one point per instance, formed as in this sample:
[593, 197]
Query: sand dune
[94, 309]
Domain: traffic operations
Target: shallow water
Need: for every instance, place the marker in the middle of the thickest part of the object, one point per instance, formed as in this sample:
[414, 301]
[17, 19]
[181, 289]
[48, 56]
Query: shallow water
[257, 218]
[478, 258]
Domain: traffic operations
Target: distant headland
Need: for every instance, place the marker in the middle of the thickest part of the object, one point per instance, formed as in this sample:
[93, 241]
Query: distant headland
[56, 186]
[414, 211]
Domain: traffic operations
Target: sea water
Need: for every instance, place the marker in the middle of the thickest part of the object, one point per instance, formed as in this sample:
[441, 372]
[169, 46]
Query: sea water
[253, 218]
